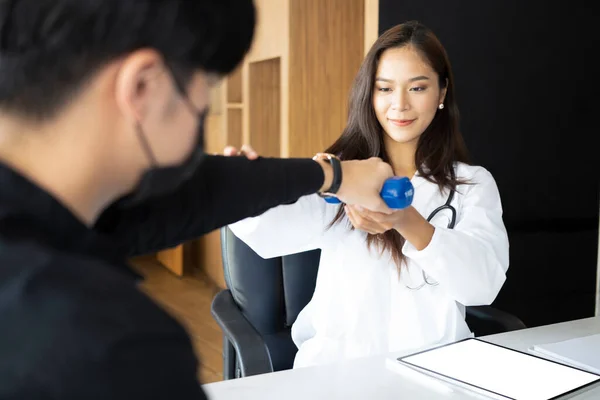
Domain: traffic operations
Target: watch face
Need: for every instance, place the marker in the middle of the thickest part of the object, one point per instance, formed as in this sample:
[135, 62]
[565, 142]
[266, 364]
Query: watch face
[325, 156]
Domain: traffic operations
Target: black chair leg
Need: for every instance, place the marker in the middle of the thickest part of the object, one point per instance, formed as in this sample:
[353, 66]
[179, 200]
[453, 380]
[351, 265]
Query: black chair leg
[229, 360]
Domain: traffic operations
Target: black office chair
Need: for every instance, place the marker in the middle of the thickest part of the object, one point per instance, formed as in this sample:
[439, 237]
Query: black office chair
[264, 297]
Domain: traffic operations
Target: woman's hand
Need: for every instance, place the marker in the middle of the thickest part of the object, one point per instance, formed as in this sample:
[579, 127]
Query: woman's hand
[246, 150]
[408, 222]
[374, 222]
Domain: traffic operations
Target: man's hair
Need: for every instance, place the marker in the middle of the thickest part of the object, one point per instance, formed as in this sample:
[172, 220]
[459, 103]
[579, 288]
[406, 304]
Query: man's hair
[50, 48]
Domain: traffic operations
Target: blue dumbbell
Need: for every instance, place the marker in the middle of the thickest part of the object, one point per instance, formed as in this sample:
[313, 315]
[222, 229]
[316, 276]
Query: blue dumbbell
[397, 192]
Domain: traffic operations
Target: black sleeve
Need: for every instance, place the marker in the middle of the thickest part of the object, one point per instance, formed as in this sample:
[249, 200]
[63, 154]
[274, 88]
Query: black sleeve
[224, 190]
[148, 368]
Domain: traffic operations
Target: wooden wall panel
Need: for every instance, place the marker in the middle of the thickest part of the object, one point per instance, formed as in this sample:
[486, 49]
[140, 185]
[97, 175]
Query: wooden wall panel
[234, 86]
[214, 136]
[326, 49]
[371, 23]
[208, 257]
[264, 106]
[327, 40]
[234, 127]
[271, 38]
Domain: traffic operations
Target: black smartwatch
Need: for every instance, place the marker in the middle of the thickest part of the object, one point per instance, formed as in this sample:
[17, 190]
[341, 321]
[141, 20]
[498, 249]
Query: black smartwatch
[336, 165]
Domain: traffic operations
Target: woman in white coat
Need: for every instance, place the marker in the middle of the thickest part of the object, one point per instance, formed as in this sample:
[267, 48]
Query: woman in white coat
[395, 282]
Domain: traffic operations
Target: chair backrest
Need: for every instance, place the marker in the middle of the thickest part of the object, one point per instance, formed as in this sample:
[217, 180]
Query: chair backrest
[270, 293]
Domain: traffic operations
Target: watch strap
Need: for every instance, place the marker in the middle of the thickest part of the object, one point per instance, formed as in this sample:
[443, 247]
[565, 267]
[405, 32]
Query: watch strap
[336, 165]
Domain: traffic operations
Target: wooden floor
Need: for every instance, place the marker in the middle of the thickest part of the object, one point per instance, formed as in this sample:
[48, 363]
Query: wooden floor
[187, 299]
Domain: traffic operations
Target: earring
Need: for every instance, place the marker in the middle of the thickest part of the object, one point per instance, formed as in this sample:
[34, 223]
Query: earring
[441, 106]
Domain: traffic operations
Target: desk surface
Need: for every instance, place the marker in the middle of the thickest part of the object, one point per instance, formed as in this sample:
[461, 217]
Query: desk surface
[379, 377]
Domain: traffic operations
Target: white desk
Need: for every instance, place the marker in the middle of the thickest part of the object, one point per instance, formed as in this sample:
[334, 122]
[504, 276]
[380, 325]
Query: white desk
[378, 377]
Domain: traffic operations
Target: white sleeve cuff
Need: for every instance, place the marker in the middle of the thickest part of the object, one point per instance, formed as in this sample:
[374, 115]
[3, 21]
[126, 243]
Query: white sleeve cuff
[431, 250]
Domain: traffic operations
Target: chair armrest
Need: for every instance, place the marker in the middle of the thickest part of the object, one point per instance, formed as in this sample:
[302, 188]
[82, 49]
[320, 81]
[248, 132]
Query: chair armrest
[251, 351]
[490, 320]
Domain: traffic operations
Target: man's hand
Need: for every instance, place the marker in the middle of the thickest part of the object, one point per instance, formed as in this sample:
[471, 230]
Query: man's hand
[362, 181]
[246, 150]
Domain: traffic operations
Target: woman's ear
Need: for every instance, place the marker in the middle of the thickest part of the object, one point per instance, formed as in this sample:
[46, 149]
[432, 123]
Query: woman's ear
[443, 92]
[137, 86]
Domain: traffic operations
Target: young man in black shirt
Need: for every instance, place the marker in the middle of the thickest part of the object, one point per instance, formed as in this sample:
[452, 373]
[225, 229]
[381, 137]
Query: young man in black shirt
[101, 117]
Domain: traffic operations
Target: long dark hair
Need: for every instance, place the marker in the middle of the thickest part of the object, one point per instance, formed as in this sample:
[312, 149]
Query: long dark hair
[438, 148]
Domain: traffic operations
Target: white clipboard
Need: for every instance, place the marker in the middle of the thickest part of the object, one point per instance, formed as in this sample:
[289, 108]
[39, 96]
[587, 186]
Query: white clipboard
[499, 372]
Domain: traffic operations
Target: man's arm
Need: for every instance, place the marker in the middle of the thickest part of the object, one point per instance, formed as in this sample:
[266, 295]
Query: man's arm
[227, 189]
[224, 190]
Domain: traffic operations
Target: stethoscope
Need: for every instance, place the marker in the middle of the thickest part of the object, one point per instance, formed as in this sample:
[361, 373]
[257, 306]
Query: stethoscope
[445, 206]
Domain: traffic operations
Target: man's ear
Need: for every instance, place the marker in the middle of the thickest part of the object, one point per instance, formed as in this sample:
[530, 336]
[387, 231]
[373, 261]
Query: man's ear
[137, 86]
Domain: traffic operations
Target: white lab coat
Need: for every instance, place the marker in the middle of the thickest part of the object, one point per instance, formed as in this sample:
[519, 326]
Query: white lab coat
[361, 306]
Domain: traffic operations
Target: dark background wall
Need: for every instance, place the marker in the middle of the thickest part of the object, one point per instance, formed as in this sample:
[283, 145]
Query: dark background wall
[528, 93]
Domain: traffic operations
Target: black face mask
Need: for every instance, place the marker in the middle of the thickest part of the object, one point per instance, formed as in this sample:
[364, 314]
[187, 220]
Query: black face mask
[158, 181]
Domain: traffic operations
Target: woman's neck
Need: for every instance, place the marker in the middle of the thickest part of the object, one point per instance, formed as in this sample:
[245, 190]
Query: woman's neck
[402, 157]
